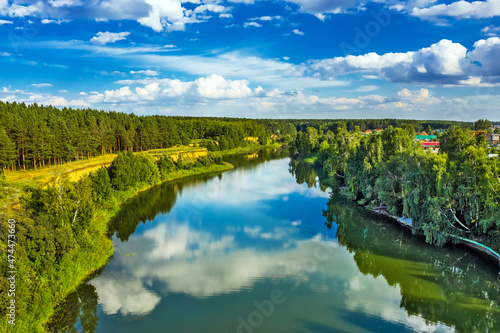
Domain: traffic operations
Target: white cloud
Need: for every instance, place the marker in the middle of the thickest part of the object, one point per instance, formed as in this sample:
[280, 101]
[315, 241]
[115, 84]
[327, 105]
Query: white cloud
[443, 63]
[210, 8]
[252, 24]
[109, 37]
[145, 72]
[79, 103]
[267, 18]
[16, 10]
[65, 3]
[210, 87]
[226, 15]
[166, 14]
[121, 95]
[298, 32]
[216, 86]
[460, 10]
[486, 53]
[419, 97]
[491, 31]
[5, 22]
[47, 21]
[366, 88]
[41, 85]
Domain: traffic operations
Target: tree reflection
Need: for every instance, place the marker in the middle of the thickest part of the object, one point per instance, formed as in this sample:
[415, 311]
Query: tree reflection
[81, 304]
[449, 285]
[303, 173]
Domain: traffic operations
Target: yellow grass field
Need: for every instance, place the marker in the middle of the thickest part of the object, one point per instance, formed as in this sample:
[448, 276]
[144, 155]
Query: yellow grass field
[76, 169]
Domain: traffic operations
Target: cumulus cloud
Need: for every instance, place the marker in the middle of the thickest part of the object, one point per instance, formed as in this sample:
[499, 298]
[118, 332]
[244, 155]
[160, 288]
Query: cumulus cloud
[491, 30]
[325, 6]
[5, 22]
[420, 99]
[109, 37]
[216, 86]
[210, 8]
[460, 10]
[210, 87]
[252, 24]
[159, 15]
[443, 63]
[298, 32]
[485, 53]
[145, 72]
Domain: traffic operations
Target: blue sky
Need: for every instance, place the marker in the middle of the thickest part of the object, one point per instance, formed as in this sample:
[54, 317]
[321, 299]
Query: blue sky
[420, 59]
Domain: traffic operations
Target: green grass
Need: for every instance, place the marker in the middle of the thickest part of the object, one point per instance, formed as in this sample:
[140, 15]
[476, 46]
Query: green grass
[311, 158]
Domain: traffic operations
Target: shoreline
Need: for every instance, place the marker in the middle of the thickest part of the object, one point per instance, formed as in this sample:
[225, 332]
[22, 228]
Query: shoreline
[468, 243]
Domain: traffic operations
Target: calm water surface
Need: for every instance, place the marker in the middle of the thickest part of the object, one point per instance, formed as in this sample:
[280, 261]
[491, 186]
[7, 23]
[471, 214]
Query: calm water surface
[263, 248]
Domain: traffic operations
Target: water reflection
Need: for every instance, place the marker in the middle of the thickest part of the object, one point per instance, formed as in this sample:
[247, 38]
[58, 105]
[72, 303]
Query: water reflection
[195, 256]
[448, 285]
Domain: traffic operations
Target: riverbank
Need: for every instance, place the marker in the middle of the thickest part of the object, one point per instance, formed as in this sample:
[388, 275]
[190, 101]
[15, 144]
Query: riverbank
[468, 243]
[90, 253]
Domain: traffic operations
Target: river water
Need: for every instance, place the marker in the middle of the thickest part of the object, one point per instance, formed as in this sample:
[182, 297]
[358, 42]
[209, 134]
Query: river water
[264, 248]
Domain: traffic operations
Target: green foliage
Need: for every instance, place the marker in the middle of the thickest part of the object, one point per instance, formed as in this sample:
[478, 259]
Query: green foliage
[8, 152]
[456, 192]
[101, 186]
[482, 124]
[165, 165]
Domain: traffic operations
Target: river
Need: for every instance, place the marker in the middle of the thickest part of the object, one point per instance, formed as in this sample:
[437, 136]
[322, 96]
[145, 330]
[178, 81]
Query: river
[265, 248]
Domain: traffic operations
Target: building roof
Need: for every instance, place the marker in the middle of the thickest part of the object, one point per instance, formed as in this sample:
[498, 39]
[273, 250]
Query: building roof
[430, 144]
[425, 137]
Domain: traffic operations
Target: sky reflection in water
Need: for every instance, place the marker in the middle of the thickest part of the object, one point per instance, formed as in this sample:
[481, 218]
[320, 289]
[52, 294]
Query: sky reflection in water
[230, 241]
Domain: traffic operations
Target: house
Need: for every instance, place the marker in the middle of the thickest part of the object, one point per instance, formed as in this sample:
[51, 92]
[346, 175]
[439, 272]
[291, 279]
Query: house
[433, 146]
[479, 133]
[493, 138]
[423, 133]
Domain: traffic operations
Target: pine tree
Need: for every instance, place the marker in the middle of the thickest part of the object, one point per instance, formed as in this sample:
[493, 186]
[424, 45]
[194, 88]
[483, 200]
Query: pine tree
[8, 152]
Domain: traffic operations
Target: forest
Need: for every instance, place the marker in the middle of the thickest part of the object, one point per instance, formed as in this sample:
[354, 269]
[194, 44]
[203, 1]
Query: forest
[33, 136]
[453, 193]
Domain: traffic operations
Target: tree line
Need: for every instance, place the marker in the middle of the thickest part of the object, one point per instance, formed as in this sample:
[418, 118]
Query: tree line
[453, 193]
[32, 136]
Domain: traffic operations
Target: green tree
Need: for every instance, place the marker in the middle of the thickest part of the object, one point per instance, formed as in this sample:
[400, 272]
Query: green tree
[101, 186]
[482, 124]
[7, 150]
